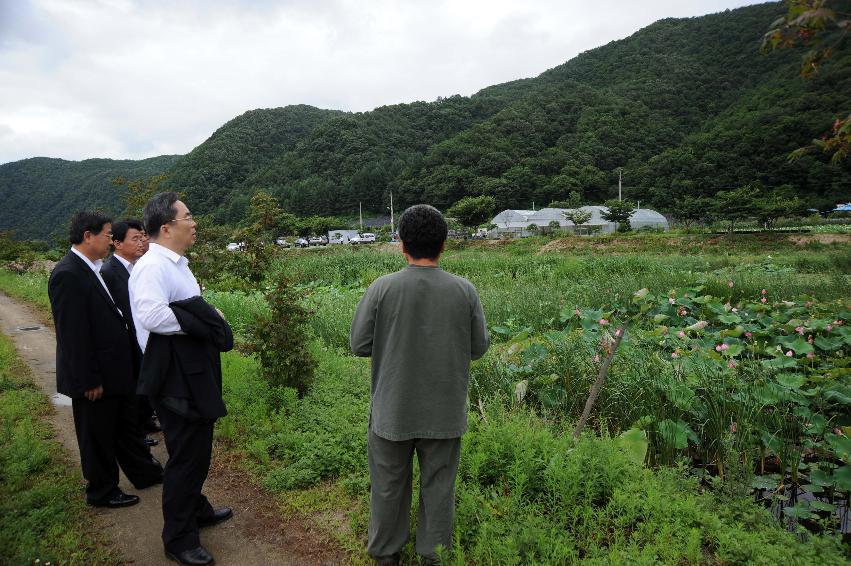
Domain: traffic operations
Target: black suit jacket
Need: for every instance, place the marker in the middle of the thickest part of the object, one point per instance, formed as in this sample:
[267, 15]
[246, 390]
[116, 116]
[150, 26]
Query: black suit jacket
[187, 366]
[117, 277]
[92, 339]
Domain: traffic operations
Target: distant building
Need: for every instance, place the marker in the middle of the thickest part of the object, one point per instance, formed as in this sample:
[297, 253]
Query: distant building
[517, 222]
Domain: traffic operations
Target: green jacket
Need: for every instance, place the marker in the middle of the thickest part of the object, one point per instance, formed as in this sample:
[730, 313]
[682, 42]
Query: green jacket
[422, 326]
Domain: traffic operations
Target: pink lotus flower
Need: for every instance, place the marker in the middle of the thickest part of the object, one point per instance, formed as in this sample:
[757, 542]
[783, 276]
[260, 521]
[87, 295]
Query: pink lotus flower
[829, 327]
[731, 364]
[790, 353]
[762, 300]
[701, 324]
[603, 322]
[618, 332]
[810, 356]
[733, 427]
[718, 347]
[763, 291]
[725, 346]
[799, 330]
[808, 304]
[748, 334]
[730, 284]
[837, 322]
[810, 338]
[578, 312]
[671, 301]
[675, 355]
[681, 334]
[734, 309]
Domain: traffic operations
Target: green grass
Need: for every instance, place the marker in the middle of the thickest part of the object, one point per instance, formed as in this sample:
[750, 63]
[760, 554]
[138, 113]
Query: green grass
[43, 515]
[30, 287]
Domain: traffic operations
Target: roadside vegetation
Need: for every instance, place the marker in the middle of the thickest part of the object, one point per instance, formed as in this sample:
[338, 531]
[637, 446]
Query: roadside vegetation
[43, 516]
[710, 447]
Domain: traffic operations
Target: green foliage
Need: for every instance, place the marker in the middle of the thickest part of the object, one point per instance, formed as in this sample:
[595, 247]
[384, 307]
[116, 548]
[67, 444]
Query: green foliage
[735, 206]
[619, 211]
[279, 339]
[138, 193]
[473, 211]
[689, 209]
[40, 195]
[578, 217]
[43, 516]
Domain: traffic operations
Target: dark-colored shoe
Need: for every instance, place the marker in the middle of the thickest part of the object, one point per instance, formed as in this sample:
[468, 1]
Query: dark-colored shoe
[197, 556]
[119, 499]
[219, 515]
[391, 560]
[151, 441]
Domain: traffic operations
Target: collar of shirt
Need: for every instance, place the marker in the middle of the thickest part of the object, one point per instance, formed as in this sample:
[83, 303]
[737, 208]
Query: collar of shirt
[93, 265]
[172, 255]
[127, 265]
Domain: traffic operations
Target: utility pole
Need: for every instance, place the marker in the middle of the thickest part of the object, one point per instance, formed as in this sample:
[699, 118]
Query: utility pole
[360, 213]
[620, 178]
[392, 228]
[533, 206]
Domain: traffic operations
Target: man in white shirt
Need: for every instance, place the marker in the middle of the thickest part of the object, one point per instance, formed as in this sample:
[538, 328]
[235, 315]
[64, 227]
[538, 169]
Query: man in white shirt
[94, 367]
[162, 277]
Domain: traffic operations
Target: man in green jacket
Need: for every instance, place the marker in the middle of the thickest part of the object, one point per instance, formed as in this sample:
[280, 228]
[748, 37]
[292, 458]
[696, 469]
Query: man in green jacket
[422, 326]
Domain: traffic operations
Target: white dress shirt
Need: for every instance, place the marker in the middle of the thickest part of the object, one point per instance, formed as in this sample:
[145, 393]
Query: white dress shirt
[127, 265]
[159, 277]
[95, 266]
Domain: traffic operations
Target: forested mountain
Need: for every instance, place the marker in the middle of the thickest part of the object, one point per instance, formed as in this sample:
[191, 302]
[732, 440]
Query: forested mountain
[683, 106]
[38, 195]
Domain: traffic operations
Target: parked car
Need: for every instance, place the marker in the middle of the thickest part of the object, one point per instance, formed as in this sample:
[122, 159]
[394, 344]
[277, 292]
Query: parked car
[365, 238]
[302, 243]
[282, 243]
[318, 241]
[236, 247]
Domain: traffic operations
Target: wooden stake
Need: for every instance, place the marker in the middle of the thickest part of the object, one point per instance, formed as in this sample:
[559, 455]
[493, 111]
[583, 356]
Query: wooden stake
[598, 385]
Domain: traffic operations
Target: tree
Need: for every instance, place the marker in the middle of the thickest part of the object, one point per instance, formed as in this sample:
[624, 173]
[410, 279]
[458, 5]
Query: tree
[769, 208]
[689, 209]
[618, 211]
[737, 205]
[473, 211]
[139, 192]
[265, 212]
[814, 23]
[279, 339]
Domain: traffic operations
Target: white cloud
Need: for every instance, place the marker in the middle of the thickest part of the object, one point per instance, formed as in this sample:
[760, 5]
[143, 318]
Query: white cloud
[134, 79]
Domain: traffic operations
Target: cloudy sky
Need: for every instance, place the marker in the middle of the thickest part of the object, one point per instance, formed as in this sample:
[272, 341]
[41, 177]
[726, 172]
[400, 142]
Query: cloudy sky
[139, 78]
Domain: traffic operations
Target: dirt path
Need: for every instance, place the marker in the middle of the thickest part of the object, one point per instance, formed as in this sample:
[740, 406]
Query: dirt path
[255, 535]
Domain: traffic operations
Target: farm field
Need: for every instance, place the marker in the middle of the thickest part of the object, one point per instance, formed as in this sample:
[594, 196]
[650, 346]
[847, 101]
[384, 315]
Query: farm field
[721, 434]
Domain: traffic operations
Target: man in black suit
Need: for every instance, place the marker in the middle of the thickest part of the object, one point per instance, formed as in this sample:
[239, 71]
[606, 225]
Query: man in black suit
[181, 337]
[94, 366]
[129, 244]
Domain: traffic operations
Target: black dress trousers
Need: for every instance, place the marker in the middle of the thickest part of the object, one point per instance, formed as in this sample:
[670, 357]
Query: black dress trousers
[109, 436]
[190, 445]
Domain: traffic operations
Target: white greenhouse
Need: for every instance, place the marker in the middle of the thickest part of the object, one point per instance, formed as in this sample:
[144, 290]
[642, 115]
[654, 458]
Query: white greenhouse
[518, 222]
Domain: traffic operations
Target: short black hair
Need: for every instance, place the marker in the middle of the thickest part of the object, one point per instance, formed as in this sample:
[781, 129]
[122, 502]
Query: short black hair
[159, 210]
[120, 228]
[423, 230]
[86, 221]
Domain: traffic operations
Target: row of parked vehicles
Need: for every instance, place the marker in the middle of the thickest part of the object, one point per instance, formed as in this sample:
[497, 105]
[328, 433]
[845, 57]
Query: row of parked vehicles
[336, 238]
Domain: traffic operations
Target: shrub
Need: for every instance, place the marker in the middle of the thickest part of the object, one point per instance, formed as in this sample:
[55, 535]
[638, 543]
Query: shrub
[279, 338]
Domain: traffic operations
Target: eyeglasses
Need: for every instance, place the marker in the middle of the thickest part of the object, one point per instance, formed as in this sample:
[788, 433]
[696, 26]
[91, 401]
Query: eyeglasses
[187, 217]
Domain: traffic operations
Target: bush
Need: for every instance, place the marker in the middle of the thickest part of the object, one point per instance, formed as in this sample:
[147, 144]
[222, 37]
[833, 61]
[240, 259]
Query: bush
[279, 338]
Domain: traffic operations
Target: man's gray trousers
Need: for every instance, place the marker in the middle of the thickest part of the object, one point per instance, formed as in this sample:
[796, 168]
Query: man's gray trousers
[391, 474]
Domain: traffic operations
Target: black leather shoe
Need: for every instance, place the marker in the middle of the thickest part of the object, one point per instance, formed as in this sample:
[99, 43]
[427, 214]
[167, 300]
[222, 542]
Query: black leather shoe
[219, 515]
[389, 560]
[120, 499]
[197, 556]
[151, 441]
